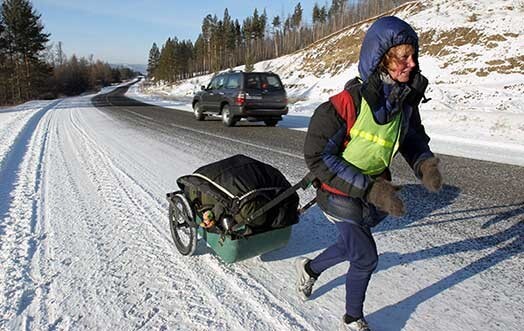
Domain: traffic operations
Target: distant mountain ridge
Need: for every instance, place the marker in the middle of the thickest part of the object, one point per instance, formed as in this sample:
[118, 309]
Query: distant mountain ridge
[142, 68]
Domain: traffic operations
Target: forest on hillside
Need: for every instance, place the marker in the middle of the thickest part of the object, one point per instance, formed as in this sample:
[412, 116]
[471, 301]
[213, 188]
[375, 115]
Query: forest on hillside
[32, 68]
[226, 43]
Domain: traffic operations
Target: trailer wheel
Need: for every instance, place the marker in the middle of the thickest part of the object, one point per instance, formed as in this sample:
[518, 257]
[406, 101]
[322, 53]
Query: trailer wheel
[182, 224]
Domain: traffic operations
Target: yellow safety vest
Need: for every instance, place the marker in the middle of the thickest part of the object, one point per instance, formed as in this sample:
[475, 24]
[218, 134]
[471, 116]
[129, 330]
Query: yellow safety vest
[372, 146]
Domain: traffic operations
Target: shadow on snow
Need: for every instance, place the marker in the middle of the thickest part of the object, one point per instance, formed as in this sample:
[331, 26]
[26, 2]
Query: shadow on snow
[313, 233]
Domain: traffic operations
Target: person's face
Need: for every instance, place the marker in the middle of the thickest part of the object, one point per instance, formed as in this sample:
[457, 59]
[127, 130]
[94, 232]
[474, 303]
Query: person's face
[402, 63]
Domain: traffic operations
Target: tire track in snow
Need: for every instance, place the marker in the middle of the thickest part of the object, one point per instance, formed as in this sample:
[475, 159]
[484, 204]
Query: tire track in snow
[44, 264]
[86, 231]
[238, 293]
[97, 168]
[10, 167]
[82, 213]
[162, 232]
[127, 251]
[33, 310]
[281, 314]
[21, 175]
[103, 234]
[247, 285]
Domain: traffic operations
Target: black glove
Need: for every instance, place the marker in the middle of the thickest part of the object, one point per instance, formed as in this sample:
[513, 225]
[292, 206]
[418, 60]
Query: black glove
[431, 176]
[384, 196]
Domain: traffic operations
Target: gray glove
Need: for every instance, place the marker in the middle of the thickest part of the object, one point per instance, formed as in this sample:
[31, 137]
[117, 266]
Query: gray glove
[431, 176]
[384, 196]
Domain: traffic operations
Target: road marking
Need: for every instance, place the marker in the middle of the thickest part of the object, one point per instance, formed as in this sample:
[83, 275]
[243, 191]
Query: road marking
[236, 141]
[140, 115]
[107, 99]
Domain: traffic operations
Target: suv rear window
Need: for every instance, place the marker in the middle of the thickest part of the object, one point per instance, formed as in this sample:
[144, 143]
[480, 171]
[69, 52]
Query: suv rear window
[263, 82]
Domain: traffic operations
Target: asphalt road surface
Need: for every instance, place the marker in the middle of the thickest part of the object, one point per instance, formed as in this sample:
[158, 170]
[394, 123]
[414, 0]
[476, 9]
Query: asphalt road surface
[494, 183]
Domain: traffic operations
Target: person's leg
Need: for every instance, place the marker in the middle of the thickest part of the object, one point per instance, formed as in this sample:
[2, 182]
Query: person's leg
[331, 256]
[362, 255]
[308, 271]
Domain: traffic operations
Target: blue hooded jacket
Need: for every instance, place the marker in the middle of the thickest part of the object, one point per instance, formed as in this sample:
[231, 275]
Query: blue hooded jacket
[328, 130]
[385, 33]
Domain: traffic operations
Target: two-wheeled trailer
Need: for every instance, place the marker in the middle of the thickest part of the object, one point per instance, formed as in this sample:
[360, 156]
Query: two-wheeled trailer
[229, 241]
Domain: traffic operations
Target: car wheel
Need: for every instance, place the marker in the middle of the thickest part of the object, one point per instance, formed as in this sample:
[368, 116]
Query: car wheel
[271, 122]
[227, 118]
[197, 110]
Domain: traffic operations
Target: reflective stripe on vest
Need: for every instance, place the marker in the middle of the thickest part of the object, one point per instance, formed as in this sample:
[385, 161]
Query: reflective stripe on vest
[372, 146]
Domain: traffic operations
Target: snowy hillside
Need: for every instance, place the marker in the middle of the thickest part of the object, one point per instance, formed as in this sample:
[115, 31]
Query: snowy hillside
[472, 51]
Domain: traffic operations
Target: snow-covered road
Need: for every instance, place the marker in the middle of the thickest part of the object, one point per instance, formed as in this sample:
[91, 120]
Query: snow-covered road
[85, 243]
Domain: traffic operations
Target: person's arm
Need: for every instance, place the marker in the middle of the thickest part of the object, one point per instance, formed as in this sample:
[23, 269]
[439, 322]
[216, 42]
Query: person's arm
[322, 152]
[416, 151]
[415, 146]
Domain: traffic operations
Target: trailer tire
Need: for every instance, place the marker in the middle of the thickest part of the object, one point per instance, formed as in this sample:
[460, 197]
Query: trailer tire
[182, 224]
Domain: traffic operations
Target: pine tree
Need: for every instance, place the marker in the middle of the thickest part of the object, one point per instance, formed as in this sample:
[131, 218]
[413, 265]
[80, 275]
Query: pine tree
[166, 65]
[215, 44]
[154, 58]
[276, 33]
[249, 67]
[336, 13]
[25, 40]
[60, 55]
[207, 31]
[4, 65]
[297, 16]
[230, 39]
[319, 20]
[199, 55]
[262, 23]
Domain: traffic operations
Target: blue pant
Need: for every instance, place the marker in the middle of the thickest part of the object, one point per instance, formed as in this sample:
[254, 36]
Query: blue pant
[355, 244]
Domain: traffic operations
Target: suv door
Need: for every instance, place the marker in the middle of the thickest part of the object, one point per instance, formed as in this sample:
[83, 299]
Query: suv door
[265, 91]
[218, 94]
[206, 94]
[211, 99]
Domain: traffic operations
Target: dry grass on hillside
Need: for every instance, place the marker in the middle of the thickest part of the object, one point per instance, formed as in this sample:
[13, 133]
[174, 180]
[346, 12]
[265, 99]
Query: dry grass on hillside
[505, 66]
[440, 43]
[444, 43]
[338, 51]
[334, 55]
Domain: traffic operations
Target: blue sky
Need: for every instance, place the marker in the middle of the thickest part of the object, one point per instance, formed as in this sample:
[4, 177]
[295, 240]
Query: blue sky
[123, 31]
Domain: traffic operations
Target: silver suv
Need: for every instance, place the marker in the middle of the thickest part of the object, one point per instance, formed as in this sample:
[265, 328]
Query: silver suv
[256, 96]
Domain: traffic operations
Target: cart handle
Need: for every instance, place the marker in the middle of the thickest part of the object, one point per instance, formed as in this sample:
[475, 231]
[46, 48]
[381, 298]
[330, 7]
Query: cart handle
[306, 182]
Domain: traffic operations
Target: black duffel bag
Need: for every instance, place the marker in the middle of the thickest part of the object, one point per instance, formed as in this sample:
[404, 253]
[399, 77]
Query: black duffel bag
[237, 187]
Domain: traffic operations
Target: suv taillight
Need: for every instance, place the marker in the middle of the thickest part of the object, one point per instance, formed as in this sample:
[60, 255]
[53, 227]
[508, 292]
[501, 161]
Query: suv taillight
[241, 99]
